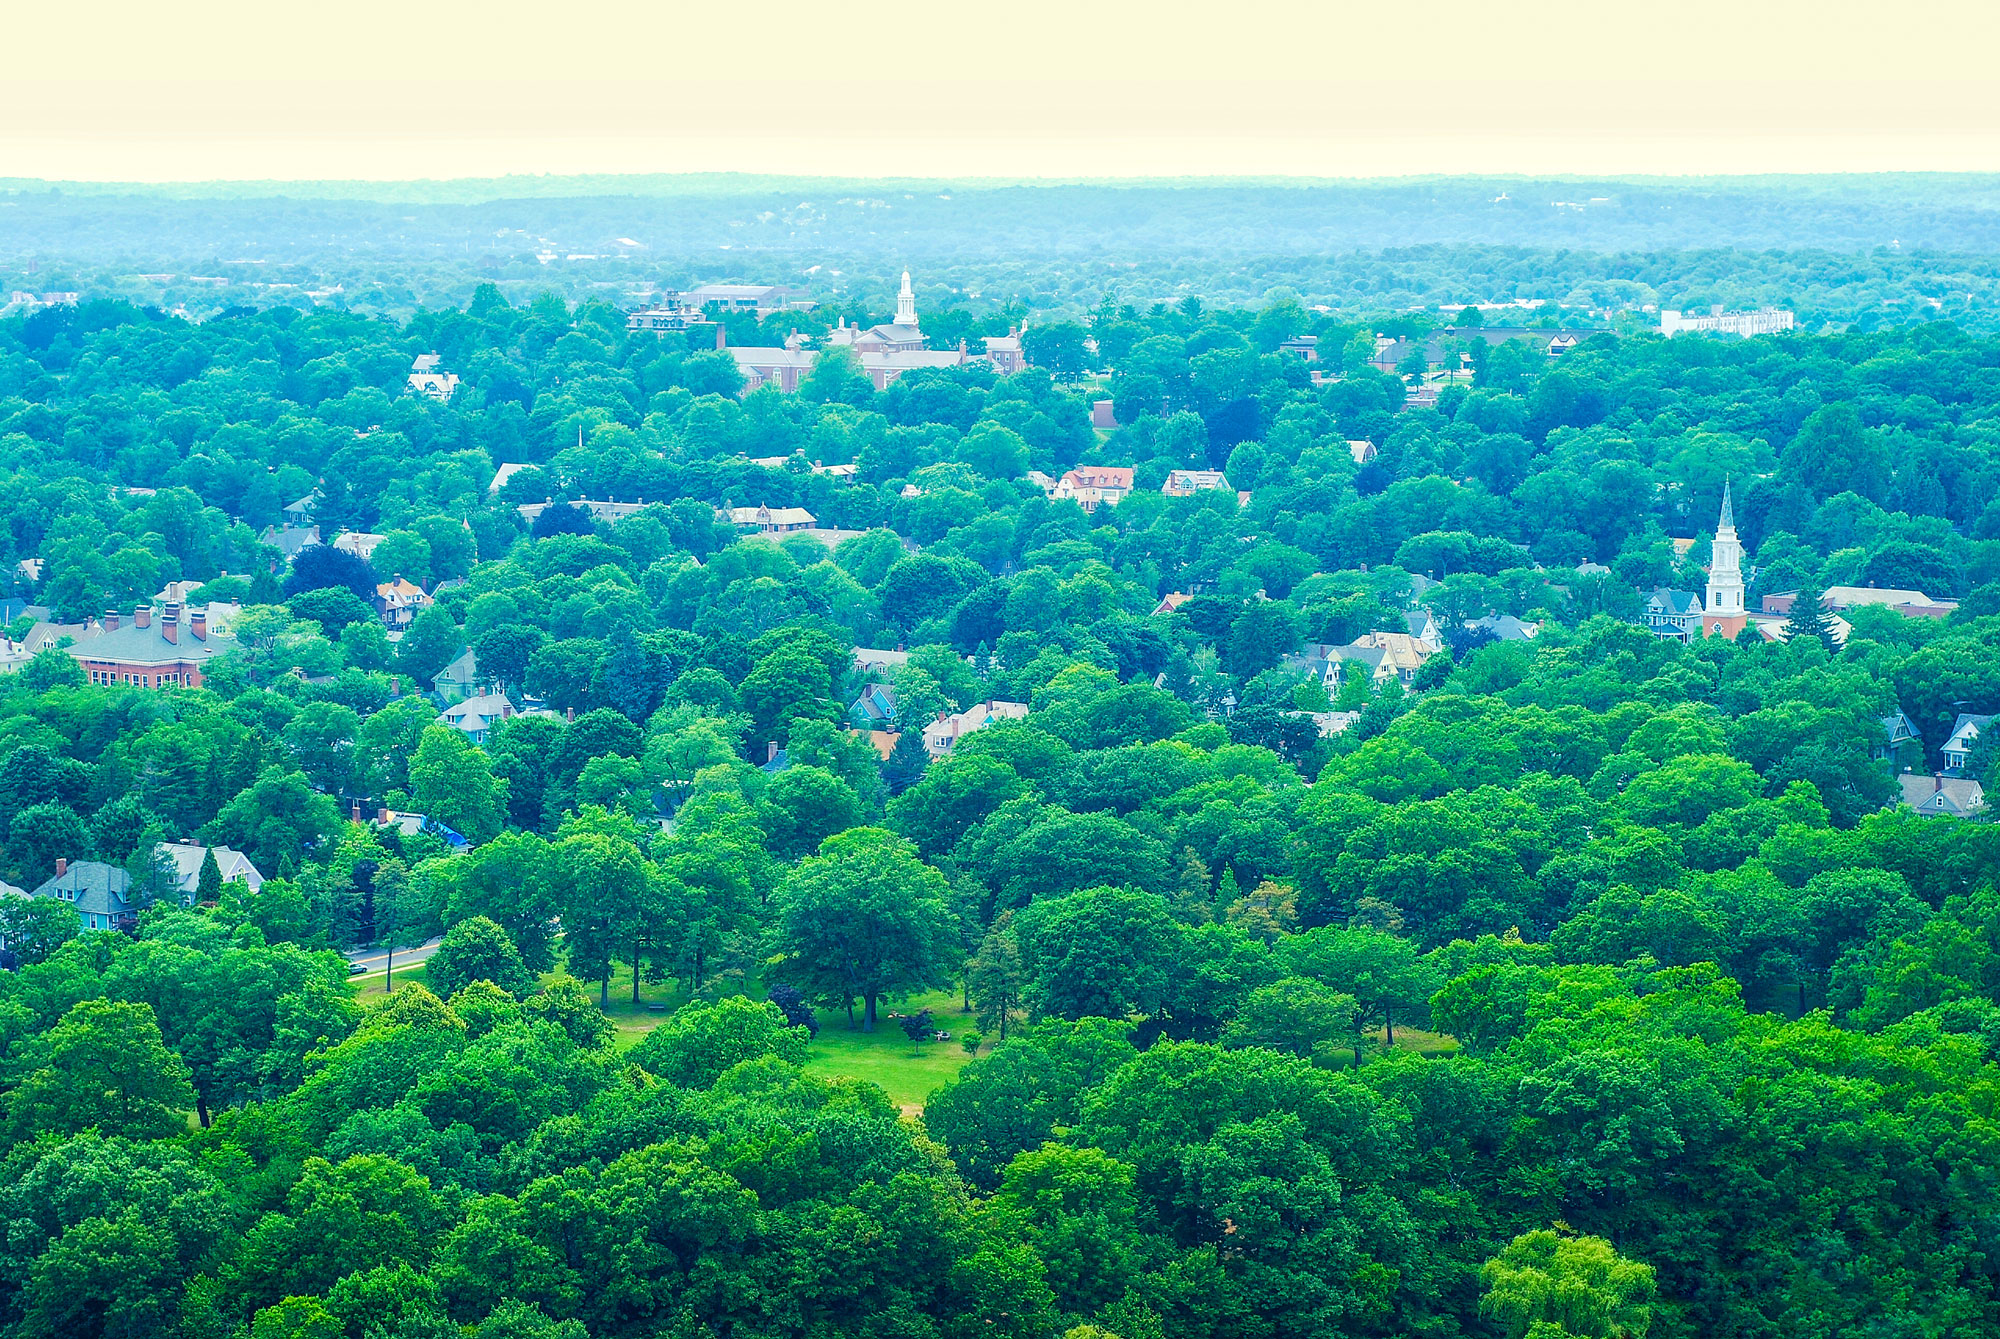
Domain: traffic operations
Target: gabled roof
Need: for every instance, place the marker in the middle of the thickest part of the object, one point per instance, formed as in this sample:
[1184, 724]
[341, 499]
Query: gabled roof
[1676, 602]
[464, 668]
[1966, 729]
[1951, 797]
[188, 857]
[90, 886]
[1898, 726]
[478, 713]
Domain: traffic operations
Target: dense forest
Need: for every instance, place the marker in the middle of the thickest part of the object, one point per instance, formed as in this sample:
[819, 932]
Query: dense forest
[1589, 984]
[1859, 251]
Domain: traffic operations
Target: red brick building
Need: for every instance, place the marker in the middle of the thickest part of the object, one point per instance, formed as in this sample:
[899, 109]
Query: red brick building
[171, 651]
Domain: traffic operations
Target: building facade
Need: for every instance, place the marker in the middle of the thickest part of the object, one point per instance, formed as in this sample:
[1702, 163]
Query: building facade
[172, 651]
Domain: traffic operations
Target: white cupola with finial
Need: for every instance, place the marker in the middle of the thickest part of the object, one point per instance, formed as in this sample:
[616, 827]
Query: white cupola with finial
[906, 303]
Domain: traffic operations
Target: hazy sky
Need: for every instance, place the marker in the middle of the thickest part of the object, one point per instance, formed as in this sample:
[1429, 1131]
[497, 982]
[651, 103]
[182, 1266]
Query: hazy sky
[366, 89]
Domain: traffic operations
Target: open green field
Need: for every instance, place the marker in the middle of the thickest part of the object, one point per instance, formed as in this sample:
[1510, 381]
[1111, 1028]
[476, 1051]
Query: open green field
[909, 1074]
[885, 1057]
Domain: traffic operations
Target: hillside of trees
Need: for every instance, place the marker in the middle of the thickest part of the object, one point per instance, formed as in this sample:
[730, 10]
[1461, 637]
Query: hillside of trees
[1863, 250]
[1710, 1025]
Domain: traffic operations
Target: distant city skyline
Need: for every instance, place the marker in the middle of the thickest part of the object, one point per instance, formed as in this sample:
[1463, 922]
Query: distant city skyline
[116, 91]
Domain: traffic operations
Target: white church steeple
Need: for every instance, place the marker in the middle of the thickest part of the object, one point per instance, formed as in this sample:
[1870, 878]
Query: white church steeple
[1725, 565]
[906, 303]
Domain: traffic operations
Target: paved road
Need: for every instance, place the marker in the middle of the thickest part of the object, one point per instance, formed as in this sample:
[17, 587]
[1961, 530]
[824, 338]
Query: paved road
[376, 960]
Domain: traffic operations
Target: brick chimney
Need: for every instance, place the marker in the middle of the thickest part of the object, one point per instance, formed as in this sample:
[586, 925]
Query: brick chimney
[198, 625]
[62, 866]
[111, 620]
[170, 622]
[770, 750]
[357, 812]
[142, 616]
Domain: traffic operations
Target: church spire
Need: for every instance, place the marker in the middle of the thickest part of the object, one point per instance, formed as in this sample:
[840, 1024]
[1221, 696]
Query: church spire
[1725, 566]
[906, 303]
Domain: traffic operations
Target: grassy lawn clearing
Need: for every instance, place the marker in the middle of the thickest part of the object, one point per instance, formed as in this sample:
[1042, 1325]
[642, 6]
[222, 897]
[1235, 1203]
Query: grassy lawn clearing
[886, 1058]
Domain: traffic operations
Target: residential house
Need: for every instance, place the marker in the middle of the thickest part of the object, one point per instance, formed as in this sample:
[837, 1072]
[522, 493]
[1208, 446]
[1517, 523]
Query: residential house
[187, 858]
[100, 893]
[1186, 483]
[1900, 738]
[941, 736]
[461, 679]
[1171, 601]
[1384, 655]
[409, 824]
[597, 510]
[871, 661]
[1305, 348]
[1942, 796]
[291, 541]
[476, 716]
[876, 704]
[1423, 625]
[1505, 627]
[1092, 486]
[360, 543]
[1363, 451]
[300, 513]
[770, 520]
[1965, 732]
[1674, 614]
[398, 602]
[172, 651]
[44, 635]
[882, 741]
[1331, 723]
[428, 379]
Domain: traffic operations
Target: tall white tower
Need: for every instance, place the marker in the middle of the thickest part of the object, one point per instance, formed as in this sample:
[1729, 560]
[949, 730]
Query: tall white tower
[906, 303]
[1725, 565]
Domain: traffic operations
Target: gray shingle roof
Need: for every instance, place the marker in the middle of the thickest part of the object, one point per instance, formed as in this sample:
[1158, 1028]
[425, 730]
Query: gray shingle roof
[133, 645]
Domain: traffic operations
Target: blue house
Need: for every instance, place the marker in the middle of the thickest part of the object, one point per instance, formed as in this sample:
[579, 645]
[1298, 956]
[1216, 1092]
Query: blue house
[100, 893]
